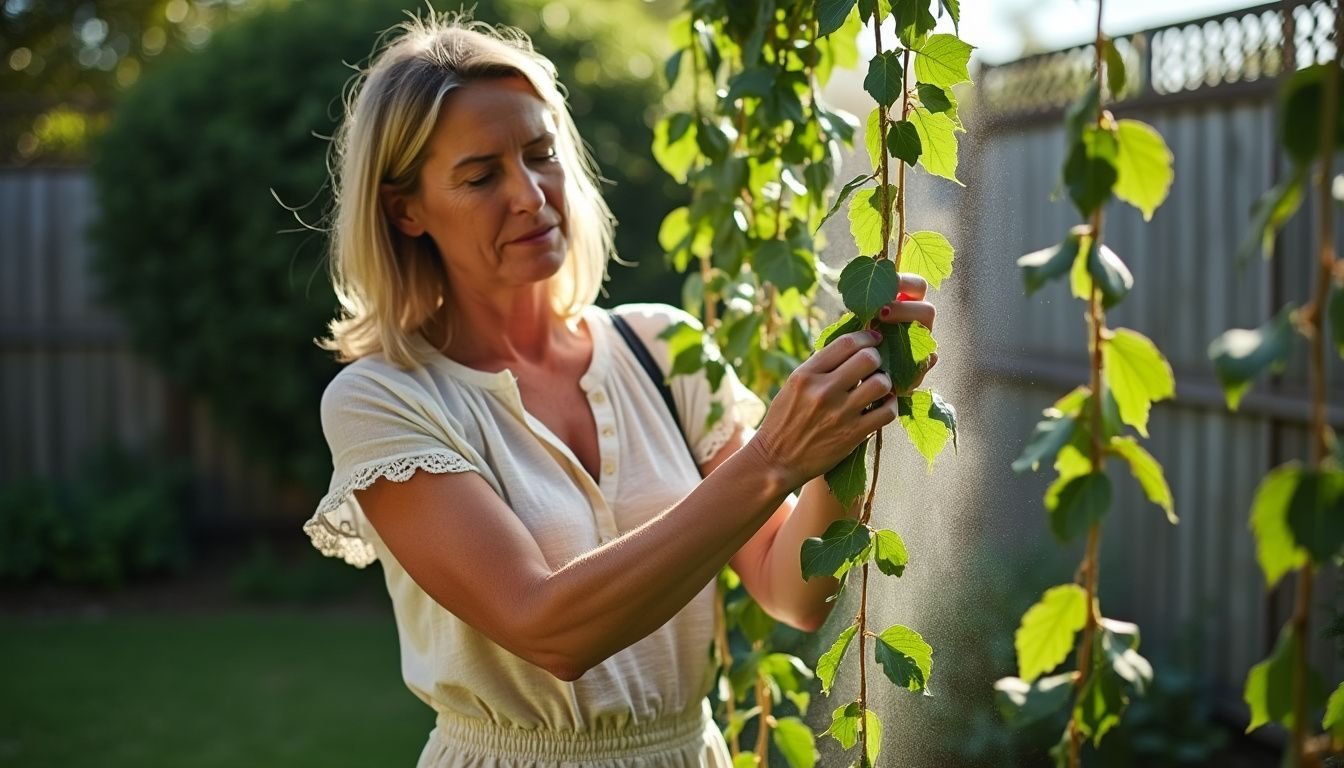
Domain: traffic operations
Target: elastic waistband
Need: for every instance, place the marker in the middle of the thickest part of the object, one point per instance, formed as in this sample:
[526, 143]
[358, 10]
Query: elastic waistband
[483, 737]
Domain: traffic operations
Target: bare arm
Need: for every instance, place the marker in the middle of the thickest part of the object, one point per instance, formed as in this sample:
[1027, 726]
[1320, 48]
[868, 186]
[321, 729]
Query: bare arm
[463, 546]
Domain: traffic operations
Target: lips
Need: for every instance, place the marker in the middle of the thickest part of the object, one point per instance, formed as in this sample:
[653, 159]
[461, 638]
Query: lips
[535, 234]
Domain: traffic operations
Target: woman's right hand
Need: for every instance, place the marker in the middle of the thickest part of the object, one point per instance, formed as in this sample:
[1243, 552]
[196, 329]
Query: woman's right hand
[822, 411]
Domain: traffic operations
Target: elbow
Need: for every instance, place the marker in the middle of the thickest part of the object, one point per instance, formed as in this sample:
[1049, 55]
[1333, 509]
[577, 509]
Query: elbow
[565, 667]
[809, 621]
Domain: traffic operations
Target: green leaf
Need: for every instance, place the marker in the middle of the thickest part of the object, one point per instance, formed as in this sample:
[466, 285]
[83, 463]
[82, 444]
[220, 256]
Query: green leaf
[929, 255]
[1046, 634]
[1316, 514]
[873, 140]
[1137, 374]
[1090, 173]
[845, 729]
[953, 8]
[913, 22]
[1270, 685]
[943, 60]
[1275, 547]
[746, 760]
[1040, 267]
[674, 234]
[903, 142]
[1110, 274]
[865, 218]
[1270, 213]
[1300, 113]
[1082, 501]
[938, 139]
[836, 551]
[868, 284]
[889, 553]
[927, 432]
[1115, 70]
[674, 145]
[848, 479]
[905, 658]
[831, 15]
[1118, 642]
[1021, 703]
[794, 740]
[785, 670]
[1336, 316]
[886, 80]
[840, 199]
[778, 262]
[848, 323]
[942, 411]
[1081, 112]
[1100, 704]
[672, 69]
[1148, 472]
[755, 81]
[829, 662]
[1240, 355]
[1143, 164]
[1046, 439]
[934, 98]
[1333, 722]
[905, 347]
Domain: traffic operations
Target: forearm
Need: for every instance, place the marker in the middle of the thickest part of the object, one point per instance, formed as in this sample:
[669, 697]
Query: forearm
[610, 598]
[800, 602]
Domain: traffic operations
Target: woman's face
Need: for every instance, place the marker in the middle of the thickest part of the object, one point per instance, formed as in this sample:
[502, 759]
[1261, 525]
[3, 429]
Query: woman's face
[491, 191]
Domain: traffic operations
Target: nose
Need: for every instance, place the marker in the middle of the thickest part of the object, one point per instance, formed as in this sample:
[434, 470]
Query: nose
[528, 195]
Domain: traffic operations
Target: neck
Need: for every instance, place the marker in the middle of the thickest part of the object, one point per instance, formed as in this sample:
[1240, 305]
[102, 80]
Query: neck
[500, 331]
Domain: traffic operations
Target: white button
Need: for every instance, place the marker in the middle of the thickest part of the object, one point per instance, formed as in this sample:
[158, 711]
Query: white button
[608, 468]
[598, 397]
[608, 431]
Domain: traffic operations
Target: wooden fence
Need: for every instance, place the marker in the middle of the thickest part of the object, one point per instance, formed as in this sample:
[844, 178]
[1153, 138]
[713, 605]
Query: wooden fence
[1209, 86]
[69, 382]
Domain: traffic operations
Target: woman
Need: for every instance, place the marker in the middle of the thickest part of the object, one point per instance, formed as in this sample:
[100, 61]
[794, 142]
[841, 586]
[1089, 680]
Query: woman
[548, 542]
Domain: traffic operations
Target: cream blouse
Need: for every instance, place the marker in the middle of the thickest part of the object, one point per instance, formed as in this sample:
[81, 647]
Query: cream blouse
[383, 421]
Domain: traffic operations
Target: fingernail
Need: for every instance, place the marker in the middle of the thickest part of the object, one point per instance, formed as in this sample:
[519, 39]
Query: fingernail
[876, 334]
[885, 311]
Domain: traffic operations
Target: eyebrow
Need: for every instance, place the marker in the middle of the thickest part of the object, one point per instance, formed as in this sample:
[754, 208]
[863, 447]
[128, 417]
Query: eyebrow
[472, 159]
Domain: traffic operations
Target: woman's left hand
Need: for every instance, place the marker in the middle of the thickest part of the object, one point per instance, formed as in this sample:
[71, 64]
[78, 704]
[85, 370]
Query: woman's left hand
[910, 306]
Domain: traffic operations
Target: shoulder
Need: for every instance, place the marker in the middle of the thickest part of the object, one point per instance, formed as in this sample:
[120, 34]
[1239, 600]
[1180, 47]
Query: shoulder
[370, 381]
[650, 320]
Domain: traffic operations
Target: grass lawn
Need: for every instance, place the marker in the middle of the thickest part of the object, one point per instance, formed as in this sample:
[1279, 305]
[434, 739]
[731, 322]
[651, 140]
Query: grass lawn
[232, 689]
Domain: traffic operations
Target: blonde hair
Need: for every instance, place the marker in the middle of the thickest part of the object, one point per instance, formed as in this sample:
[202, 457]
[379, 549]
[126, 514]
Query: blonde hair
[390, 284]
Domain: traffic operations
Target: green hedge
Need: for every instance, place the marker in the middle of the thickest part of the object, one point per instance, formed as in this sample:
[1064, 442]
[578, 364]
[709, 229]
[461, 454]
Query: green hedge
[217, 281]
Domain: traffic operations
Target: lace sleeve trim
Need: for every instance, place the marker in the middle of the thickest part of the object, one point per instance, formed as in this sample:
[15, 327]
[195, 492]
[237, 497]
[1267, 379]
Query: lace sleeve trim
[714, 440]
[334, 529]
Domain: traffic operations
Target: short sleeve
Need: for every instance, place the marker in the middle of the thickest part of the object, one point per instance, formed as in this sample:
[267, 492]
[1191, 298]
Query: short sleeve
[709, 416]
[380, 422]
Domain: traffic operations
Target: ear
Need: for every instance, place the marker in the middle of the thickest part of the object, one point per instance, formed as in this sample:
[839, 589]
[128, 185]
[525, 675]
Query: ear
[401, 210]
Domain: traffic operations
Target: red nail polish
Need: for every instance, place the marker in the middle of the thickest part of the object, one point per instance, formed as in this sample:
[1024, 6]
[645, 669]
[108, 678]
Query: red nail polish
[885, 311]
[876, 334]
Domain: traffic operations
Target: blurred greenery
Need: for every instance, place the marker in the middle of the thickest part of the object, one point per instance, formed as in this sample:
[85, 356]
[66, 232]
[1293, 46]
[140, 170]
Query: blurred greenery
[119, 516]
[190, 250]
[209, 691]
[64, 62]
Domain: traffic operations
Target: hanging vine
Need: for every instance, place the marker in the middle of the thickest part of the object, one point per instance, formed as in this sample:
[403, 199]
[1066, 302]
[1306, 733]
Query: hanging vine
[1297, 514]
[758, 150]
[1128, 160]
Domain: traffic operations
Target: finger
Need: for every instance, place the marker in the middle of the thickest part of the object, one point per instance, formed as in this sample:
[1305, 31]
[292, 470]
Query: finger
[879, 417]
[839, 350]
[913, 286]
[859, 365]
[869, 391]
[909, 311]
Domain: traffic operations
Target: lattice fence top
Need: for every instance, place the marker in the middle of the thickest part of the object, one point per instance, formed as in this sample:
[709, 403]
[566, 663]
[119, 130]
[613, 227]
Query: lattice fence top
[1240, 48]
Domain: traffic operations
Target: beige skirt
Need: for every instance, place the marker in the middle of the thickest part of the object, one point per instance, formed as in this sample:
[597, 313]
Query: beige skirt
[689, 740]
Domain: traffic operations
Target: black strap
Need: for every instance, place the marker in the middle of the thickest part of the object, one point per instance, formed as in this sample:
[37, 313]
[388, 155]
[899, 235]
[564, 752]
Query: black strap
[654, 373]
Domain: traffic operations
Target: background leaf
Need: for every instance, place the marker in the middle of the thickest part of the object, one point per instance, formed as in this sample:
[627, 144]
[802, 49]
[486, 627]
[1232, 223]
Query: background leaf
[1040, 267]
[1275, 547]
[1144, 167]
[1021, 703]
[1240, 355]
[1148, 472]
[943, 60]
[938, 140]
[1137, 374]
[793, 738]
[865, 220]
[1050, 434]
[1046, 635]
[1082, 501]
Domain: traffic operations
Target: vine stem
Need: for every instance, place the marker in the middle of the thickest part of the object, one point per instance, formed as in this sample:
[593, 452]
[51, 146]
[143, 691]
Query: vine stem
[1320, 429]
[726, 660]
[900, 167]
[862, 621]
[883, 125]
[763, 724]
[1090, 566]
